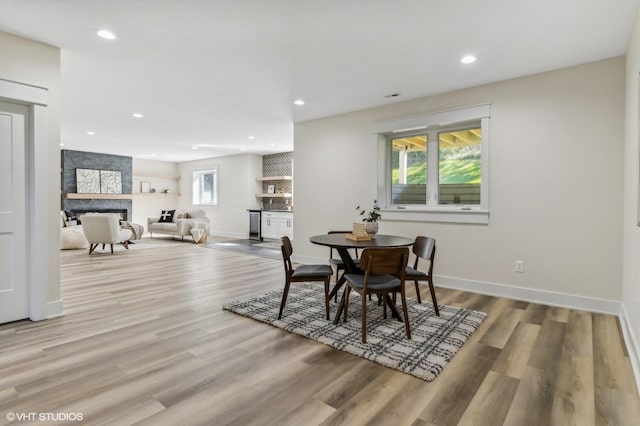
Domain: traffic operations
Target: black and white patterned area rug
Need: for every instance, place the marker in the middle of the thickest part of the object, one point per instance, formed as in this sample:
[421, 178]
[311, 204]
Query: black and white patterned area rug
[434, 340]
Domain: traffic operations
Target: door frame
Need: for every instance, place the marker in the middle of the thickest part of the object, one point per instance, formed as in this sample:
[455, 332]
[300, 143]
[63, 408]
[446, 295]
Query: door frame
[36, 168]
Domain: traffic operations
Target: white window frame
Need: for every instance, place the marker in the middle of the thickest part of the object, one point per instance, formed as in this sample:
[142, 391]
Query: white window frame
[197, 186]
[432, 211]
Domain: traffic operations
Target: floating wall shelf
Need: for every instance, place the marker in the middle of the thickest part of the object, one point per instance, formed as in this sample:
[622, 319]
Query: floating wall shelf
[285, 195]
[75, 196]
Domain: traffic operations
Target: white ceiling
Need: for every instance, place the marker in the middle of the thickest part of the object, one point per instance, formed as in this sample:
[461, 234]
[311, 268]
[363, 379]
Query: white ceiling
[214, 72]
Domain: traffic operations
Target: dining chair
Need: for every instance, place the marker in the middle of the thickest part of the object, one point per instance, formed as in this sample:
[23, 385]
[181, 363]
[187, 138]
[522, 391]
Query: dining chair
[424, 248]
[303, 273]
[384, 274]
[337, 262]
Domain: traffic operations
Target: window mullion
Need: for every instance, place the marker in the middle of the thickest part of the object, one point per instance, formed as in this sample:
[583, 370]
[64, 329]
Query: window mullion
[432, 168]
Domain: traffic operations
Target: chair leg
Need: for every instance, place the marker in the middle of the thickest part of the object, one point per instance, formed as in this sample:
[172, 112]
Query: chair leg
[285, 293]
[347, 290]
[326, 296]
[92, 247]
[384, 305]
[433, 297]
[407, 328]
[111, 248]
[103, 246]
[126, 245]
[417, 291]
[364, 318]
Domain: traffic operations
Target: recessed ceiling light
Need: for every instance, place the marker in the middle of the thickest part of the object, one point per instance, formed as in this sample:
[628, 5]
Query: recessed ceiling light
[252, 138]
[90, 133]
[154, 155]
[137, 115]
[469, 59]
[106, 34]
[272, 144]
[194, 147]
[298, 102]
[61, 144]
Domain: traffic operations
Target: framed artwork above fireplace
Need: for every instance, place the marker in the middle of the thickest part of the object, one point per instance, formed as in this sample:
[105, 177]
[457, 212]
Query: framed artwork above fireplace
[87, 181]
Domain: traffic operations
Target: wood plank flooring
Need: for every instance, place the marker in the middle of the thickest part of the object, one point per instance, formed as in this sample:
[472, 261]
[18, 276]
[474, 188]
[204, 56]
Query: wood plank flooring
[144, 340]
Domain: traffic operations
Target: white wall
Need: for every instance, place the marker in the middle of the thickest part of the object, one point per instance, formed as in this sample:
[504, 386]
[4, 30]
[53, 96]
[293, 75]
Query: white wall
[161, 175]
[631, 232]
[37, 64]
[555, 194]
[237, 188]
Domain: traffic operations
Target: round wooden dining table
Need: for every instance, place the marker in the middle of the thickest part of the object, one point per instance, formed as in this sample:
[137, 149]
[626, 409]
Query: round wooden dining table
[342, 244]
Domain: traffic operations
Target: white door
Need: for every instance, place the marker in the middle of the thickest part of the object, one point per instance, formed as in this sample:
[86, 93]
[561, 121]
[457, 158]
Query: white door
[14, 298]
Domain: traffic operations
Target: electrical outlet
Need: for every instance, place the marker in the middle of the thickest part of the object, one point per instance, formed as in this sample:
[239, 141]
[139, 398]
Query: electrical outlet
[520, 266]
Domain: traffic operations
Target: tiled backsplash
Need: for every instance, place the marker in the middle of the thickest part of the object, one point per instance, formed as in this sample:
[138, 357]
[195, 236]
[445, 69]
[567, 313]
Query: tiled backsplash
[278, 165]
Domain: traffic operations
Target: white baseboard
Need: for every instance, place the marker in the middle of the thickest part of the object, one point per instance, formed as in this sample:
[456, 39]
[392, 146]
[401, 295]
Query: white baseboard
[530, 295]
[632, 344]
[55, 309]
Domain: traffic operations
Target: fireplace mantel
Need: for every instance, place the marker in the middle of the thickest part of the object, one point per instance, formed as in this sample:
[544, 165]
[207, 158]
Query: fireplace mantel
[75, 196]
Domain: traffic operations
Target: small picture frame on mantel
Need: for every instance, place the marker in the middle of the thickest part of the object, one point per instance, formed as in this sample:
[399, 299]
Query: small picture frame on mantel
[145, 187]
[271, 189]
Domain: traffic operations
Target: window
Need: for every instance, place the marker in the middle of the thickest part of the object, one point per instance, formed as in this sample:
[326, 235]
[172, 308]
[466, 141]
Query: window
[205, 187]
[434, 167]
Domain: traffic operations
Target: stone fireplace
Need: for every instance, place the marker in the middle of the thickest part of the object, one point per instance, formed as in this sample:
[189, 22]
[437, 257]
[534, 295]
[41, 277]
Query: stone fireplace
[78, 204]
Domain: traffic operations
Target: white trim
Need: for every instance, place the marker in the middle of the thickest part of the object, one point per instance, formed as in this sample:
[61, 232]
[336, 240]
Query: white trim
[550, 298]
[438, 118]
[631, 343]
[26, 93]
[38, 196]
[39, 217]
[450, 215]
[55, 309]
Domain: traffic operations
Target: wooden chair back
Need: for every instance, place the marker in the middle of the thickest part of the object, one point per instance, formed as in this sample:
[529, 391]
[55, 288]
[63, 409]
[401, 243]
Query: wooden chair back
[424, 248]
[287, 251]
[385, 261]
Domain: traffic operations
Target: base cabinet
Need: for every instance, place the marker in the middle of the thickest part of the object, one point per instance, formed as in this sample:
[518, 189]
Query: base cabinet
[277, 225]
[269, 225]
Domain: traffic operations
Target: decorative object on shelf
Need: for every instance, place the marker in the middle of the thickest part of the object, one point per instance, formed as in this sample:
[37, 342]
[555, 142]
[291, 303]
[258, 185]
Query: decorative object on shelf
[281, 191]
[165, 191]
[110, 182]
[87, 181]
[370, 218]
[152, 190]
[271, 189]
[145, 187]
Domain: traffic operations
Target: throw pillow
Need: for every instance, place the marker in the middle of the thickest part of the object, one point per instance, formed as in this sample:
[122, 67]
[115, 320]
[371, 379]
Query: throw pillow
[167, 216]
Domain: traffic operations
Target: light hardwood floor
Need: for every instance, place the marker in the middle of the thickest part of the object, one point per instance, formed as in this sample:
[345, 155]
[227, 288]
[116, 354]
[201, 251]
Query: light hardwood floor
[144, 339]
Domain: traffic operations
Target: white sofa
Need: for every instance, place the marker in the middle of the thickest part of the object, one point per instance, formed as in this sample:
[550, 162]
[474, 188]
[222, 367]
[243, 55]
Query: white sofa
[182, 223]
